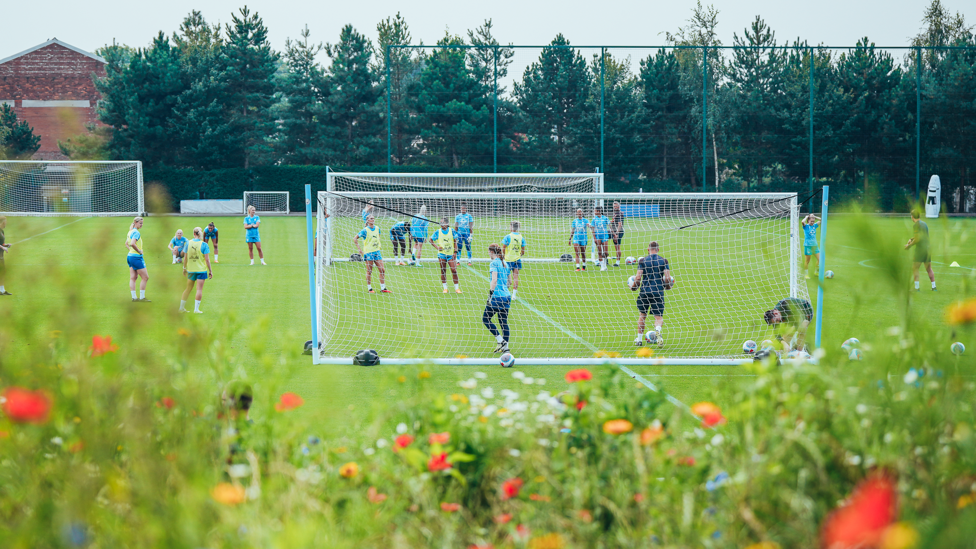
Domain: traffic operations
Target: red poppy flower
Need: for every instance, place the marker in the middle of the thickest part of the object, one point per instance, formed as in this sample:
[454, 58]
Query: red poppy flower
[504, 518]
[585, 515]
[687, 460]
[401, 442]
[522, 531]
[26, 406]
[450, 507]
[438, 462]
[486, 546]
[511, 487]
[166, 402]
[439, 438]
[289, 401]
[710, 413]
[374, 496]
[539, 497]
[102, 345]
[580, 405]
[861, 522]
[638, 497]
[582, 374]
[713, 419]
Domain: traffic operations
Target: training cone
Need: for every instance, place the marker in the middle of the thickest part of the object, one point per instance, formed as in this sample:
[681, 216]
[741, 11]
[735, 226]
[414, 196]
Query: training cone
[953, 264]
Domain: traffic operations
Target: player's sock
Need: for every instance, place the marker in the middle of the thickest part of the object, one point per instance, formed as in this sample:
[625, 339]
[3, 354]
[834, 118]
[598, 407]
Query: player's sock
[2, 289]
[916, 284]
[262, 261]
[216, 258]
[457, 287]
[445, 286]
[196, 306]
[182, 305]
[142, 294]
[369, 287]
[658, 328]
[133, 292]
[513, 293]
[252, 262]
[382, 287]
[499, 338]
[933, 286]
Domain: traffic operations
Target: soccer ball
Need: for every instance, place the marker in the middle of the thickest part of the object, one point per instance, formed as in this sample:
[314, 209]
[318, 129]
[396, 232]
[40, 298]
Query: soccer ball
[630, 282]
[507, 360]
[767, 345]
[855, 354]
[829, 274]
[851, 344]
[749, 347]
[654, 338]
[958, 348]
[669, 283]
[411, 261]
[631, 260]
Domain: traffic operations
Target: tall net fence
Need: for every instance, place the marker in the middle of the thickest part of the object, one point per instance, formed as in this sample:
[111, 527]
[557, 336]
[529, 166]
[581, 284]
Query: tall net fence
[71, 188]
[733, 256]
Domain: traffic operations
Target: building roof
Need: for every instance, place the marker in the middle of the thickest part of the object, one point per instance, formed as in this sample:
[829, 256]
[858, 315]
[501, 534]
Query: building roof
[48, 43]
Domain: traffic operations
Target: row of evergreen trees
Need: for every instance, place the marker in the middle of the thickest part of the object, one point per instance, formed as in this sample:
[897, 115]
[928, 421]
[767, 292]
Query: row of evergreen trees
[208, 97]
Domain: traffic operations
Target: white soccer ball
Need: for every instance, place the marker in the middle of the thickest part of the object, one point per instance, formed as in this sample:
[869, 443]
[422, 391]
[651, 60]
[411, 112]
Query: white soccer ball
[654, 338]
[767, 345]
[630, 282]
[749, 347]
[855, 354]
[411, 262]
[850, 344]
[958, 348]
[631, 260]
[829, 274]
[507, 360]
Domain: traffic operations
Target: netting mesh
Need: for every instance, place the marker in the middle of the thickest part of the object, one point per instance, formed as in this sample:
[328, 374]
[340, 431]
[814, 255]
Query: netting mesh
[734, 256]
[71, 188]
[267, 202]
[528, 183]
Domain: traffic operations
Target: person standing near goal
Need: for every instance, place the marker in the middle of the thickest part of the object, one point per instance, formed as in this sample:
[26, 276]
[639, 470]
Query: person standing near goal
[252, 224]
[499, 300]
[513, 247]
[445, 240]
[4, 248]
[795, 315]
[176, 246]
[399, 235]
[464, 225]
[370, 251]
[196, 268]
[210, 233]
[652, 278]
[137, 264]
[810, 248]
[601, 235]
[578, 238]
[418, 232]
[617, 231]
[922, 252]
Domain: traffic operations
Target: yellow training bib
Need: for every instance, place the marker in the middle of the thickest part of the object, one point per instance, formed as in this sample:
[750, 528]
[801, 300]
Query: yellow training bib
[514, 250]
[372, 243]
[194, 257]
[445, 239]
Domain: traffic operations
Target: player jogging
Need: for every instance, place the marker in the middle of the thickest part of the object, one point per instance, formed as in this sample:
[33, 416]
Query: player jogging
[578, 238]
[464, 226]
[371, 253]
[499, 300]
[653, 274]
[445, 240]
[795, 315]
[513, 247]
[600, 226]
[399, 234]
[920, 239]
[367, 211]
[4, 248]
[252, 223]
[617, 230]
[810, 249]
[196, 267]
[137, 264]
[418, 232]
[210, 233]
[176, 246]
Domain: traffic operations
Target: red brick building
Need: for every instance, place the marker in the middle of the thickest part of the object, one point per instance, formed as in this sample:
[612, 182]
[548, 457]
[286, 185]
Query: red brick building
[50, 86]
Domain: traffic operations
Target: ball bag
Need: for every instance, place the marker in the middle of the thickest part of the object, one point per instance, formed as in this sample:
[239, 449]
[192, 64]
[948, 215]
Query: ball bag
[565, 258]
[366, 357]
[308, 347]
[355, 257]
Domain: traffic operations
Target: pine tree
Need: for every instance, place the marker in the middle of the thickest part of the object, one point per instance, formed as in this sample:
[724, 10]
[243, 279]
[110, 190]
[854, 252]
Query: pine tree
[302, 86]
[17, 139]
[623, 143]
[400, 69]
[666, 114]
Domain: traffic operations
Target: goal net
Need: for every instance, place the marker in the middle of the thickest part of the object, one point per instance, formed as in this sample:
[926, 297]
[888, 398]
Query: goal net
[51, 188]
[491, 182]
[267, 202]
[734, 256]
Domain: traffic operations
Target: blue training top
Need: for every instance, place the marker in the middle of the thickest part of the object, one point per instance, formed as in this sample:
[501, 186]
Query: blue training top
[810, 234]
[501, 285]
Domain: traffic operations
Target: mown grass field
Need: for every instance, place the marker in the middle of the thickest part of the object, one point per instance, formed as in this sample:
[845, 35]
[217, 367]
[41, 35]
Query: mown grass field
[871, 286]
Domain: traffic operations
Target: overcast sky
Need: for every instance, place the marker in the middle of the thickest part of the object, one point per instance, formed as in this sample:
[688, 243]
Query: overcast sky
[611, 22]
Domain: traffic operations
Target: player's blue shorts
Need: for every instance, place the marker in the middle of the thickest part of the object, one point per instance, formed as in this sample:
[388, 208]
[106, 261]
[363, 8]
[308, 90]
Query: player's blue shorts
[601, 237]
[398, 237]
[445, 257]
[136, 262]
[514, 264]
[255, 238]
[196, 276]
[373, 256]
[579, 240]
[498, 305]
[419, 236]
[811, 250]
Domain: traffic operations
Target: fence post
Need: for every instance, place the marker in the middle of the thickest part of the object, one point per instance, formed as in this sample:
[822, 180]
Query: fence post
[811, 127]
[389, 120]
[918, 119]
[704, 118]
[603, 80]
[494, 142]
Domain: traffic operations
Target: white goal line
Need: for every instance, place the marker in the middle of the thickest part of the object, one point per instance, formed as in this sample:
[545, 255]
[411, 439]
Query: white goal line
[541, 361]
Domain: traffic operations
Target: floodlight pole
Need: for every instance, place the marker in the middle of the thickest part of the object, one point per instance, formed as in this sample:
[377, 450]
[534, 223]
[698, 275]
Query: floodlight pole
[705, 119]
[389, 121]
[823, 260]
[918, 119]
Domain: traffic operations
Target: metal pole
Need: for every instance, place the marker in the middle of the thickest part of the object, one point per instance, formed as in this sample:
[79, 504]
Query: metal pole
[823, 261]
[918, 119]
[311, 267]
[704, 119]
[603, 80]
[389, 121]
[494, 145]
[811, 126]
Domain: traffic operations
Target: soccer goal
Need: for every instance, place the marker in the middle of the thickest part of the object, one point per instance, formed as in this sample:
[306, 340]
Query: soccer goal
[733, 255]
[267, 202]
[55, 188]
[465, 182]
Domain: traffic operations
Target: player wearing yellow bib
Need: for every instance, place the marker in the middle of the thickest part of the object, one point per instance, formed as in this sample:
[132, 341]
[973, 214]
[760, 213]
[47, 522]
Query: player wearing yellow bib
[445, 240]
[196, 267]
[137, 265]
[370, 250]
[513, 246]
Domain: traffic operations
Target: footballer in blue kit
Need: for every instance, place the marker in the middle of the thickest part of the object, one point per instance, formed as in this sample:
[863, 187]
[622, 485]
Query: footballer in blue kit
[810, 248]
[137, 264]
[418, 232]
[464, 225]
[210, 235]
[499, 299]
[445, 240]
[399, 233]
[252, 223]
[513, 248]
[176, 246]
[370, 251]
[578, 238]
[601, 234]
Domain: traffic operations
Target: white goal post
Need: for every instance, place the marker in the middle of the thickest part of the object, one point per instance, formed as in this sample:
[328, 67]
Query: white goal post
[267, 202]
[734, 256]
[71, 188]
